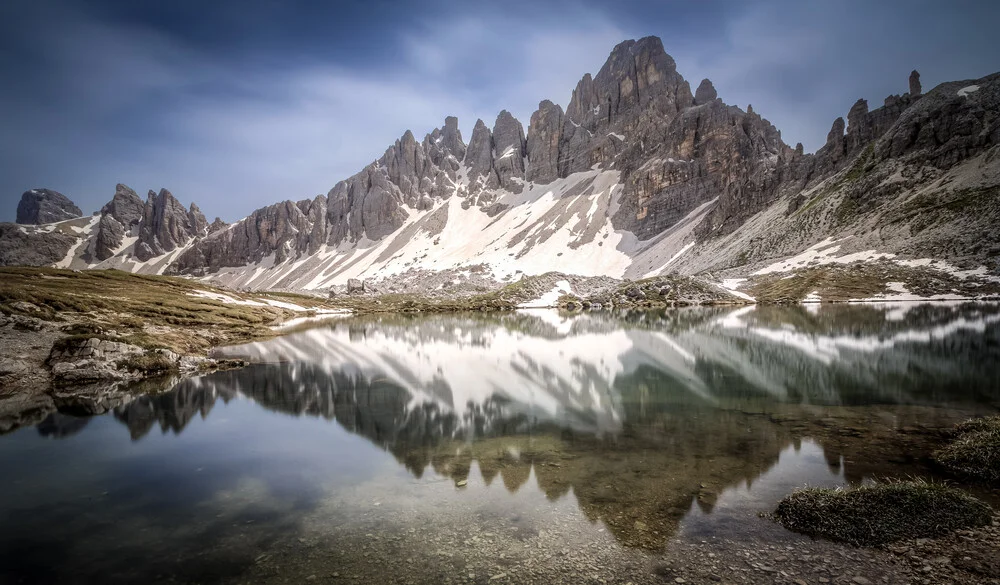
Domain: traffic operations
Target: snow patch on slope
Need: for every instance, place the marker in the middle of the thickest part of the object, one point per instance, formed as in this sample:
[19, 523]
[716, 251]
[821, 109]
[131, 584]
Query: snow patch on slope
[224, 298]
[565, 225]
[899, 292]
[75, 250]
[731, 285]
[673, 258]
[821, 253]
[825, 253]
[965, 91]
[549, 299]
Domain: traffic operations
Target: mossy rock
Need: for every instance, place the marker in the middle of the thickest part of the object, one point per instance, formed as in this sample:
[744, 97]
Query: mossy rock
[882, 513]
[975, 451]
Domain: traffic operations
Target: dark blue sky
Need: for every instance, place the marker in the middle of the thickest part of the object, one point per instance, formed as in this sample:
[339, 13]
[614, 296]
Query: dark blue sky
[236, 104]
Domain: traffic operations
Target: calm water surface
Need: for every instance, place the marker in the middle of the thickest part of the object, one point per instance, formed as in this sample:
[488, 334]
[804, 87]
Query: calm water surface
[464, 448]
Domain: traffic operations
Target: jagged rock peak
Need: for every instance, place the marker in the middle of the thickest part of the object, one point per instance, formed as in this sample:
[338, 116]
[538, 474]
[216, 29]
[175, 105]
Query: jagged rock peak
[914, 83]
[119, 217]
[836, 131]
[857, 113]
[217, 225]
[451, 137]
[479, 153]
[198, 221]
[126, 206]
[544, 134]
[650, 47]
[166, 224]
[444, 146]
[39, 206]
[636, 75]
[510, 148]
[705, 92]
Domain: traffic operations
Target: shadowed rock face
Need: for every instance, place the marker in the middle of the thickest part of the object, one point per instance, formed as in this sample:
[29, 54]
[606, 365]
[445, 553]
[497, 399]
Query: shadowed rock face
[38, 249]
[39, 206]
[509, 149]
[479, 157]
[119, 217]
[544, 136]
[165, 225]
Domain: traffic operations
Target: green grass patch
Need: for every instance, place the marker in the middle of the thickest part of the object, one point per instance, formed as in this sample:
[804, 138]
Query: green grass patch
[812, 202]
[975, 451]
[862, 165]
[151, 362]
[411, 303]
[882, 513]
[146, 310]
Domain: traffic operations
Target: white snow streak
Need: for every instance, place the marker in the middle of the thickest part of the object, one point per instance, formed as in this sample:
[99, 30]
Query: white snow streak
[965, 91]
[549, 299]
[673, 258]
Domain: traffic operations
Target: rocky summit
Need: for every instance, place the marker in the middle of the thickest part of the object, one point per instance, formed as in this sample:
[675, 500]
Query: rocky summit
[638, 176]
[40, 206]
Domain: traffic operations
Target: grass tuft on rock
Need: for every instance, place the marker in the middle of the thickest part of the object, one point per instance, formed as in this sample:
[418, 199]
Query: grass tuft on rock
[151, 362]
[882, 513]
[975, 451]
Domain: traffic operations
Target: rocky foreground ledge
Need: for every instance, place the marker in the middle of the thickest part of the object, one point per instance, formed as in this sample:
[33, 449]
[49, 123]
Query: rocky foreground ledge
[66, 333]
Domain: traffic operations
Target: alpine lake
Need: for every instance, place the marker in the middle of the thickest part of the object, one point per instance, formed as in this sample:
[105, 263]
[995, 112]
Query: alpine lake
[532, 446]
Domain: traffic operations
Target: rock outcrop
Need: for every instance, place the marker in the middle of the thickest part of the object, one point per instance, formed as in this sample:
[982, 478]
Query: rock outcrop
[86, 360]
[39, 206]
[165, 225]
[914, 83]
[544, 136]
[119, 217]
[705, 92]
[509, 150]
[479, 158]
[369, 205]
[18, 247]
[355, 286]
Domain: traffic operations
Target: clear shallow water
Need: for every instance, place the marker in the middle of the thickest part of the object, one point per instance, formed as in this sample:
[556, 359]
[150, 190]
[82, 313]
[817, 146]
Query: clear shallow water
[424, 449]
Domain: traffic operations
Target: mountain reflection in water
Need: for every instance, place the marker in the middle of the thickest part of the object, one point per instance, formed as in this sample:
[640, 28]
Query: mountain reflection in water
[640, 415]
[651, 425]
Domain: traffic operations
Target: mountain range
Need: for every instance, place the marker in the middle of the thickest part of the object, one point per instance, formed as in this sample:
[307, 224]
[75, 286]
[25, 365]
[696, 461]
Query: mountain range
[638, 176]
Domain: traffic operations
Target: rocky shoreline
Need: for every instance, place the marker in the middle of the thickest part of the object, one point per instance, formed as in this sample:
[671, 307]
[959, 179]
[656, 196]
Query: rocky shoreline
[43, 370]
